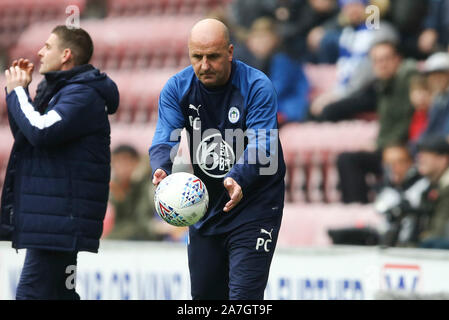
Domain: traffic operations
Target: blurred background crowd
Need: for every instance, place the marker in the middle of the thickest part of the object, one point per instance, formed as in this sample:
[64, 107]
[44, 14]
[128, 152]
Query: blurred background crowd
[363, 89]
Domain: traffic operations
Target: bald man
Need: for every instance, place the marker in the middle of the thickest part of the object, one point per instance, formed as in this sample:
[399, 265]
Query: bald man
[229, 111]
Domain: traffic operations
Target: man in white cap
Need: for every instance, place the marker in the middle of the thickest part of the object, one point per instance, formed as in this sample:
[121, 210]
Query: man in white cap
[437, 69]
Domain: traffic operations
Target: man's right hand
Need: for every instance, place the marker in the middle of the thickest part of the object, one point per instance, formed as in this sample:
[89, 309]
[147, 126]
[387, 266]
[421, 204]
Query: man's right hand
[158, 176]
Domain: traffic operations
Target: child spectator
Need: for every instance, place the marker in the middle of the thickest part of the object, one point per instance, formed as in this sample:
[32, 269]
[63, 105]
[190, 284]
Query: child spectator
[421, 99]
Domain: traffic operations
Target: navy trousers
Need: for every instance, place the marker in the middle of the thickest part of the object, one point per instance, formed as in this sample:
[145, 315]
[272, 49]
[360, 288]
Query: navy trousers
[234, 265]
[48, 275]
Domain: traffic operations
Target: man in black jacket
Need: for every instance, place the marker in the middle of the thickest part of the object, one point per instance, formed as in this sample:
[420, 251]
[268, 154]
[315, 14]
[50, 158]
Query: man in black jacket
[57, 181]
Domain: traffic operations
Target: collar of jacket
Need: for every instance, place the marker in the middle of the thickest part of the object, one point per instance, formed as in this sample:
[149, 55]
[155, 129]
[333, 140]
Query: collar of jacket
[411, 177]
[53, 82]
[56, 76]
[405, 69]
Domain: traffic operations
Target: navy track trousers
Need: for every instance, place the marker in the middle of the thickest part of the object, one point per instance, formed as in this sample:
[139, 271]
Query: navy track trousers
[234, 265]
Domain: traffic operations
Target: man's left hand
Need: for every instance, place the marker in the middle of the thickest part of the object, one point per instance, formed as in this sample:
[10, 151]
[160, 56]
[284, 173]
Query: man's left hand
[16, 77]
[235, 193]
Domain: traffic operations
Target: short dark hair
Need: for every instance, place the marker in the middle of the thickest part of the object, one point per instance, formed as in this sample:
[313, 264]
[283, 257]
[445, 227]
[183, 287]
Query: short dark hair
[78, 41]
[418, 81]
[126, 149]
[399, 144]
[392, 44]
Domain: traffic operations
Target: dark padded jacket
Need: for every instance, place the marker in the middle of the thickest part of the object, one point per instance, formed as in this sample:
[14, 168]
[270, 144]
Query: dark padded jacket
[57, 180]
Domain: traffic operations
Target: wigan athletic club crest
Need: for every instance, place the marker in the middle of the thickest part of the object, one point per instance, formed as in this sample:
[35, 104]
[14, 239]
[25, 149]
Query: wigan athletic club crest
[233, 115]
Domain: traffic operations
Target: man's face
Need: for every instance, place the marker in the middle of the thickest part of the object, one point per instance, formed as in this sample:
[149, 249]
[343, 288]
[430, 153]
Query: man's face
[420, 98]
[385, 61]
[51, 55]
[262, 44]
[322, 6]
[354, 12]
[438, 82]
[432, 165]
[398, 161]
[123, 166]
[211, 61]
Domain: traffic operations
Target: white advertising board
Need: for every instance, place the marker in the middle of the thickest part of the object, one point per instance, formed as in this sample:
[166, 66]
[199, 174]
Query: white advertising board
[159, 271]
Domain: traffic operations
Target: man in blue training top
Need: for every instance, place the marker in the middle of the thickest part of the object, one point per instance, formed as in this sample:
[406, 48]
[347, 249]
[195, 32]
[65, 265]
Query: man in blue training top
[229, 112]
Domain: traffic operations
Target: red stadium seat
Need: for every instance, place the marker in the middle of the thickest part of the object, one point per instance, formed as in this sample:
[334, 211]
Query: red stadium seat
[3, 112]
[123, 8]
[139, 93]
[16, 15]
[137, 135]
[322, 78]
[7, 140]
[307, 224]
[310, 150]
[109, 221]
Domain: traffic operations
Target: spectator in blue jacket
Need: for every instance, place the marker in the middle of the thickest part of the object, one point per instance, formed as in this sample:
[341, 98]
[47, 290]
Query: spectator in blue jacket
[57, 181]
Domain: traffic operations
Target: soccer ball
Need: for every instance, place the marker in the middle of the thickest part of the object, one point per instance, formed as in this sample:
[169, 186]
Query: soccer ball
[181, 199]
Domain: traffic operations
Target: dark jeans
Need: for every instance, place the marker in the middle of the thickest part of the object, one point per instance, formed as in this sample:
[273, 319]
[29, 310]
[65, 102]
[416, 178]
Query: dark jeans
[48, 275]
[352, 170]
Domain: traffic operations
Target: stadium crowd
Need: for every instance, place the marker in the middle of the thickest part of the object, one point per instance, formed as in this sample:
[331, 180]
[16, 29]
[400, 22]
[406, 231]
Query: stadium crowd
[384, 63]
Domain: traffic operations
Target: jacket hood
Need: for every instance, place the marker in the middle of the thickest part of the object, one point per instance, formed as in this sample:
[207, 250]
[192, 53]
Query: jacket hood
[88, 75]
